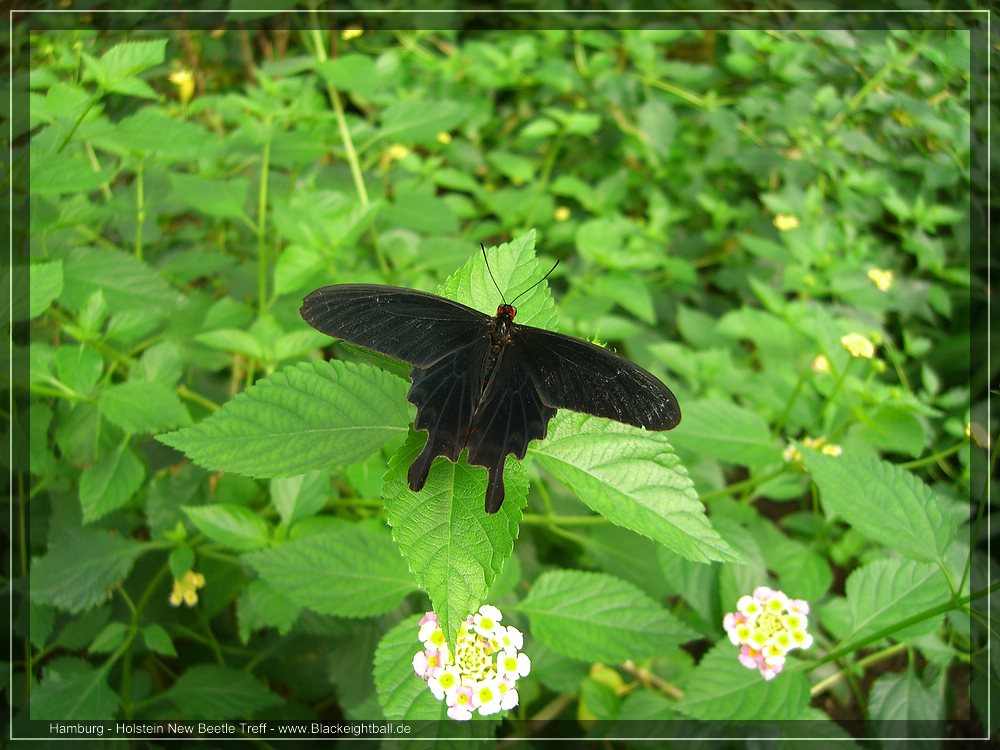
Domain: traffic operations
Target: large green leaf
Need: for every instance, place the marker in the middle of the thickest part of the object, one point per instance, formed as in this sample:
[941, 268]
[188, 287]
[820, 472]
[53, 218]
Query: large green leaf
[884, 592]
[454, 549]
[309, 416]
[401, 693]
[885, 503]
[634, 479]
[111, 482]
[79, 694]
[46, 283]
[346, 570]
[722, 689]
[126, 282]
[143, 406]
[210, 691]
[81, 567]
[726, 432]
[596, 617]
[235, 526]
[419, 121]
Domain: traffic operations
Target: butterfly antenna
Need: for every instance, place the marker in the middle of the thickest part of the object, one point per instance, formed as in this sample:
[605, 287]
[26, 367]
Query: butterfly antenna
[491, 273]
[535, 284]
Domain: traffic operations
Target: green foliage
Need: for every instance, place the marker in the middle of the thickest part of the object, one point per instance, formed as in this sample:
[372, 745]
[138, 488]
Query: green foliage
[725, 207]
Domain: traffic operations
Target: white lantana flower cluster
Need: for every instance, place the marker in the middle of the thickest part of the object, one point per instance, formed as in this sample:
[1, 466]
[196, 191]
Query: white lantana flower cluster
[482, 673]
[766, 627]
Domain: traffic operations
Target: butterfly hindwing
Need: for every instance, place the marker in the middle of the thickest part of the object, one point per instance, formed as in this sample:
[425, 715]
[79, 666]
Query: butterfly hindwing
[509, 416]
[404, 324]
[580, 376]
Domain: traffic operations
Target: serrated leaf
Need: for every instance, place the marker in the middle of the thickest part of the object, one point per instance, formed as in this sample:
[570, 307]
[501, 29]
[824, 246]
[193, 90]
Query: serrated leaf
[596, 617]
[515, 269]
[129, 58]
[453, 548]
[350, 72]
[300, 496]
[111, 482]
[657, 125]
[401, 693]
[220, 198]
[126, 282]
[420, 121]
[634, 479]
[158, 640]
[110, 638]
[722, 689]
[81, 567]
[59, 175]
[884, 592]
[347, 570]
[143, 406]
[78, 367]
[261, 605]
[82, 695]
[46, 283]
[903, 700]
[208, 691]
[309, 416]
[235, 526]
[884, 502]
[726, 432]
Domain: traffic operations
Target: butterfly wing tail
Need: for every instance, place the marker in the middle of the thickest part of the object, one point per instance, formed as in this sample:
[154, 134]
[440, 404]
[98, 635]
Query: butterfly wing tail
[494, 488]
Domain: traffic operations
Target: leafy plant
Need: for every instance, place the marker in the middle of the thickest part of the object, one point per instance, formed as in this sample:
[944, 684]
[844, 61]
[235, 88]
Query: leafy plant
[772, 222]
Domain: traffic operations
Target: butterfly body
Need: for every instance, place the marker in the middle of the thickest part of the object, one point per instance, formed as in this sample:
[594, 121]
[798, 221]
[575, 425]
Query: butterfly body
[486, 384]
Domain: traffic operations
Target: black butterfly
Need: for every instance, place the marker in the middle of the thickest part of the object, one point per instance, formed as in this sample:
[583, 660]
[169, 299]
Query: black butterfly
[485, 383]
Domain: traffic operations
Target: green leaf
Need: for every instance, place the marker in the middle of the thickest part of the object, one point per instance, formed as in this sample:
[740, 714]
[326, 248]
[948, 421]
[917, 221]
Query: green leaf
[111, 482]
[297, 267]
[129, 58]
[60, 175]
[142, 407]
[726, 432]
[78, 367]
[884, 502]
[80, 695]
[110, 638]
[722, 689]
[261, 605]
[884, 592]
[235, 526]
[46, 283]
[596, 617]
[350, 72]
[81, 567]
[126, 282]
[515, 269]
[634, 479]
[657, 125]
[909, 705]
[181, 560]
[208, 691]
[347, 570]
[224, 199]
[452, 547]
[421, 121]
[305, 417]
[401, 693]
[158, 640]
[300, 496]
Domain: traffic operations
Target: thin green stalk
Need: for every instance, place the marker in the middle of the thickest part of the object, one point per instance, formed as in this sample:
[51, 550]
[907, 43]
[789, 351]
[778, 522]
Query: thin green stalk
[93, 100]
[550, 161]
[984, 496]
[42, 390]
[836, 391]
[786, 412]
[140, 208]
[126, 648]
[196, 398]
[749, 483]
[933, 458]
[265, 165]
[537, 519]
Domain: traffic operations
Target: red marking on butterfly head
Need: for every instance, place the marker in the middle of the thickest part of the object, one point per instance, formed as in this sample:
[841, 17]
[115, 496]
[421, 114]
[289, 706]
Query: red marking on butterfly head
[506, 311]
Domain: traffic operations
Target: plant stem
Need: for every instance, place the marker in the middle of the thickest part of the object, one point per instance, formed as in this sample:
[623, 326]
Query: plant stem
[265, 163]
[750, 482]
[983, 499]
[828, 682]
[786, 412]
[196, 398]
[140, 208]
[537, 519]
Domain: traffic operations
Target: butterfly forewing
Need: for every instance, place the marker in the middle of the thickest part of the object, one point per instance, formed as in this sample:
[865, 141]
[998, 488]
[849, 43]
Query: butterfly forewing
[411, 326]
[580, 376]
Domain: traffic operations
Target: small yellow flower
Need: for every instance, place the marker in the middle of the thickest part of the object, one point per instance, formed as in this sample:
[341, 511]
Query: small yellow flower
[831, 450]
[858, 345]
[792, 455]
[184, 81]
[444, 138]
[186, 589]
[881, 278]
[786, 223]
[397, 151]
[562, 213]
[820, 364]
[351, 32]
